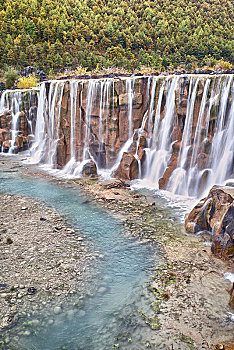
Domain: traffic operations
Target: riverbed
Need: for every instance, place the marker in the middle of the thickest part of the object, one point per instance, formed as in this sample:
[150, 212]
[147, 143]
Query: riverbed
[142, 282]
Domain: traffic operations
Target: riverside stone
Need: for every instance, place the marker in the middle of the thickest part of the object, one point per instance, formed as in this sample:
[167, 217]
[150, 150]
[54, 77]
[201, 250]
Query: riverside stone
[57, 310]
[128, 168]
[215, 213]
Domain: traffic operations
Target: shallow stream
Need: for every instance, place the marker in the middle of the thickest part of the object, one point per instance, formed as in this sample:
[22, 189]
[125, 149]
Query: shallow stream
[110, 315]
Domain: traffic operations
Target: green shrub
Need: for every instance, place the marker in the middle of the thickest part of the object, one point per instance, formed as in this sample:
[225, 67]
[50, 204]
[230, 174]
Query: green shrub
[10, 77]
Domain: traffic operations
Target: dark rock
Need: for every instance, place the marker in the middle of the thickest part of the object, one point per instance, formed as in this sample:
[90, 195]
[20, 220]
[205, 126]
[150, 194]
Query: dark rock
[2, 86]
[117, 184]
[31, 291]
[197, 71]
[229, 184]
[10, 319]
[223, 236]
[89, 169]
[33, 70]
[163, 181]
[219, 71]
[9, 240]
[231, 301]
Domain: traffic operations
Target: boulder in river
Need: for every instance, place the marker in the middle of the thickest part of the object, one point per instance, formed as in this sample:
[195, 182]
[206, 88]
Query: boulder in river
[89, 169]
[215, 214]
[128, 167]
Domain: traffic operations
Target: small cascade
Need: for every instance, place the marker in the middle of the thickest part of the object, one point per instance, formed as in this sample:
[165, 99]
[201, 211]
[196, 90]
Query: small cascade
[91, 95]
[93, 138]
[222, 149]
[39, 139]
[140, 132]
[17, 105]
[71, 166]
[152, 104]
[4, 102]
[15, 110]
[47, 127]
[206, 167]
[177, 182]
[158, 154]
[130, 91]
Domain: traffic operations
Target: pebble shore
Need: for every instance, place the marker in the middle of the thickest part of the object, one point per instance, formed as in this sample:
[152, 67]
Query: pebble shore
[44, 261]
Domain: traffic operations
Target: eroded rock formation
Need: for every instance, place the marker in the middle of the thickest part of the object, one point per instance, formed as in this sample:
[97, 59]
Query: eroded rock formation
[215, 214]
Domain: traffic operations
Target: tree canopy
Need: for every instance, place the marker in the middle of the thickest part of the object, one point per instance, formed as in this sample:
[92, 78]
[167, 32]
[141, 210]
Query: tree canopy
[123, 33]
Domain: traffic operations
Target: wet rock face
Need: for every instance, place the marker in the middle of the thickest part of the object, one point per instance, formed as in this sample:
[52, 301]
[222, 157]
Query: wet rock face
[22, 140]
[104, 118]
[128, 168]
[223, 240]
[89, 169]
[21, 105]
[231, 302]
[5, 135]
[215, 214]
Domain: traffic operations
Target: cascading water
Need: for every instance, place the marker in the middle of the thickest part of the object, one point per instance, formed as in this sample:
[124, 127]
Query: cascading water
[187, 123]
[47, 126]
[222, 149]
[13, 102]
[195, 179]
[130, 93]
[177, 179]
[159, 154]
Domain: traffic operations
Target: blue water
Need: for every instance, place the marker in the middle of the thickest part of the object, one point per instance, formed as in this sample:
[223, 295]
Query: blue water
[124, 269]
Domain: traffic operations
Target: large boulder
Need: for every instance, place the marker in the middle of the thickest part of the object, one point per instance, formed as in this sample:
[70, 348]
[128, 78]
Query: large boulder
[215, 214]
[89, 169]
[128, 167]
[223, 236]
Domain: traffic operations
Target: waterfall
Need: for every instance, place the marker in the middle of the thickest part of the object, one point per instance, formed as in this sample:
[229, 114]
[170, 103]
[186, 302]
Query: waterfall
[194, 180]
[39, 140]
[130, 92]
[222, 149]
[186, 123]
[91, 95]
[54, 106]
[178, 182]
[159, 153]
[12, 102]
[47, 126]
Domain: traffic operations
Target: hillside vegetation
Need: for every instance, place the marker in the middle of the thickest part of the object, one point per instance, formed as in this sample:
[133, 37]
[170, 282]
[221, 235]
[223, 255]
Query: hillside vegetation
[52, 34]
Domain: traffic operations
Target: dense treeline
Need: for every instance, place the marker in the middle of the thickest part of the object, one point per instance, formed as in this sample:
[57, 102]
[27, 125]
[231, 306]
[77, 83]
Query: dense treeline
[123, 33]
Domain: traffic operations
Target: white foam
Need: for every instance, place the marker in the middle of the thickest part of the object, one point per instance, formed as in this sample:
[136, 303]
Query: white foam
[229, 276]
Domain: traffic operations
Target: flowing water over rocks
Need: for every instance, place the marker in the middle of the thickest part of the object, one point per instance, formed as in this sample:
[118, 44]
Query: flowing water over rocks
[173, 133]
[109, 308]
[184, 304]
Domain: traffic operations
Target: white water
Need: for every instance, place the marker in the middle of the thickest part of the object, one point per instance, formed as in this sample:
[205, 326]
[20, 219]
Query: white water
[12, 102]
[92, 122]
[130, 91]
[158, 154]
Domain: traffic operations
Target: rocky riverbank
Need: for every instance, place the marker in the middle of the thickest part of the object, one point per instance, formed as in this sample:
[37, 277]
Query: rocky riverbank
[44, 263]
[189, 296]
[187, 292]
